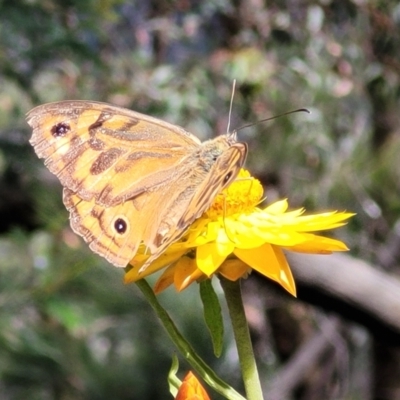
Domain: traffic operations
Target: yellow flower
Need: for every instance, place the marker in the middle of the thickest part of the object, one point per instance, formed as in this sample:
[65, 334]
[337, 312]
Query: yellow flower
[191, 389]
[235, 236]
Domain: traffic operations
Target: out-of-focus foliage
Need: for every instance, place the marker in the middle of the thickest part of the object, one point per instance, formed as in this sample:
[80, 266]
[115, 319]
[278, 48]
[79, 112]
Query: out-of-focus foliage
[69, 328]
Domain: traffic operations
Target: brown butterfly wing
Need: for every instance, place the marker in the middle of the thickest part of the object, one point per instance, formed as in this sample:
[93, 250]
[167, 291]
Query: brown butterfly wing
[155, 218]
[220, 176]
[105, 152]
[115, 232]
[130, 178]
[150, 218]
[195, 200]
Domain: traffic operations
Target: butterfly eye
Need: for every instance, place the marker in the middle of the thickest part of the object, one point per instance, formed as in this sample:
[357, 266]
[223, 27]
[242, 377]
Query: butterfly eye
[227, 177]
[60, 129]
[120, 226]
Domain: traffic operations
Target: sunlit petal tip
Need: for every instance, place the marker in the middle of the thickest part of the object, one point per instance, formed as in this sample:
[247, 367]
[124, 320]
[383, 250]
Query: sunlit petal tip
[185, 284]
[286, 280]
[278, 207]
[196, 276]
[185, 273]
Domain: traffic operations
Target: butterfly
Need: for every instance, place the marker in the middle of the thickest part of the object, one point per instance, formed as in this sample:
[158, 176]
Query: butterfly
[128, 178]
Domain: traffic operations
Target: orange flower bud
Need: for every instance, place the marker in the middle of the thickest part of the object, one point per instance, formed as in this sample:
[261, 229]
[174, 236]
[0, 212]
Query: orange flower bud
[191, 389]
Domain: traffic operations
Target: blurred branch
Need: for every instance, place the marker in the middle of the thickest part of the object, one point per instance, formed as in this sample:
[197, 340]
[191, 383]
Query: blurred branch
[351, 287]
[305, 358]
[389, 251]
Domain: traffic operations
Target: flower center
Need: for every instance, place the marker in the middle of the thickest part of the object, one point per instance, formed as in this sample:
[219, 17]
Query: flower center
[241, 196]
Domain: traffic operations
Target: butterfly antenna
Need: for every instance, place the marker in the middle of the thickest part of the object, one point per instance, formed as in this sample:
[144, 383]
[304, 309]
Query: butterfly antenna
[230, 106]
[270, 118]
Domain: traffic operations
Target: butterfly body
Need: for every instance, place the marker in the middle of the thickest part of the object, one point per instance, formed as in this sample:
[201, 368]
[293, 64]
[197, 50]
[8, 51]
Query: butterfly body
[130, 178]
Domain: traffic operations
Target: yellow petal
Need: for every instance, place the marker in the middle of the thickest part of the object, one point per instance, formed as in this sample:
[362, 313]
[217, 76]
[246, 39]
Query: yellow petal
[206, 234]
[165, 259]
[319, 245]
[234, 269]
[234, 224]
[242, 235]
[281, 236]
[279, 207]
[285, 278]
[269, 261]
[320, 222]
[186, 272]
[211, 255]
[165, 280]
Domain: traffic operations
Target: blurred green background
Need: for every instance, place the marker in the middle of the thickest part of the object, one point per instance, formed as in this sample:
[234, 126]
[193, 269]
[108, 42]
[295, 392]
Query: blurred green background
[69, 328]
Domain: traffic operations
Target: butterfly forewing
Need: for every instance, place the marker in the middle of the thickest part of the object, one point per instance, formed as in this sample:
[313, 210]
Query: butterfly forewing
[222, 173]
[106, 152]
[191, 206]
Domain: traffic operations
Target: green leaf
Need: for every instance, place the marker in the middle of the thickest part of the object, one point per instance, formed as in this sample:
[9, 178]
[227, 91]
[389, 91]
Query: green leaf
[173, 381]
[212, 315]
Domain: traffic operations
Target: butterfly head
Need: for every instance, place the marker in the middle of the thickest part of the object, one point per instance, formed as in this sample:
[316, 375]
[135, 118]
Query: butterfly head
[231, 137]
[223, 157]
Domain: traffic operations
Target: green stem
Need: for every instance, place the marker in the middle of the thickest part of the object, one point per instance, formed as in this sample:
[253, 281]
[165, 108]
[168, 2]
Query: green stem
[241, 332]
[197, 363]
